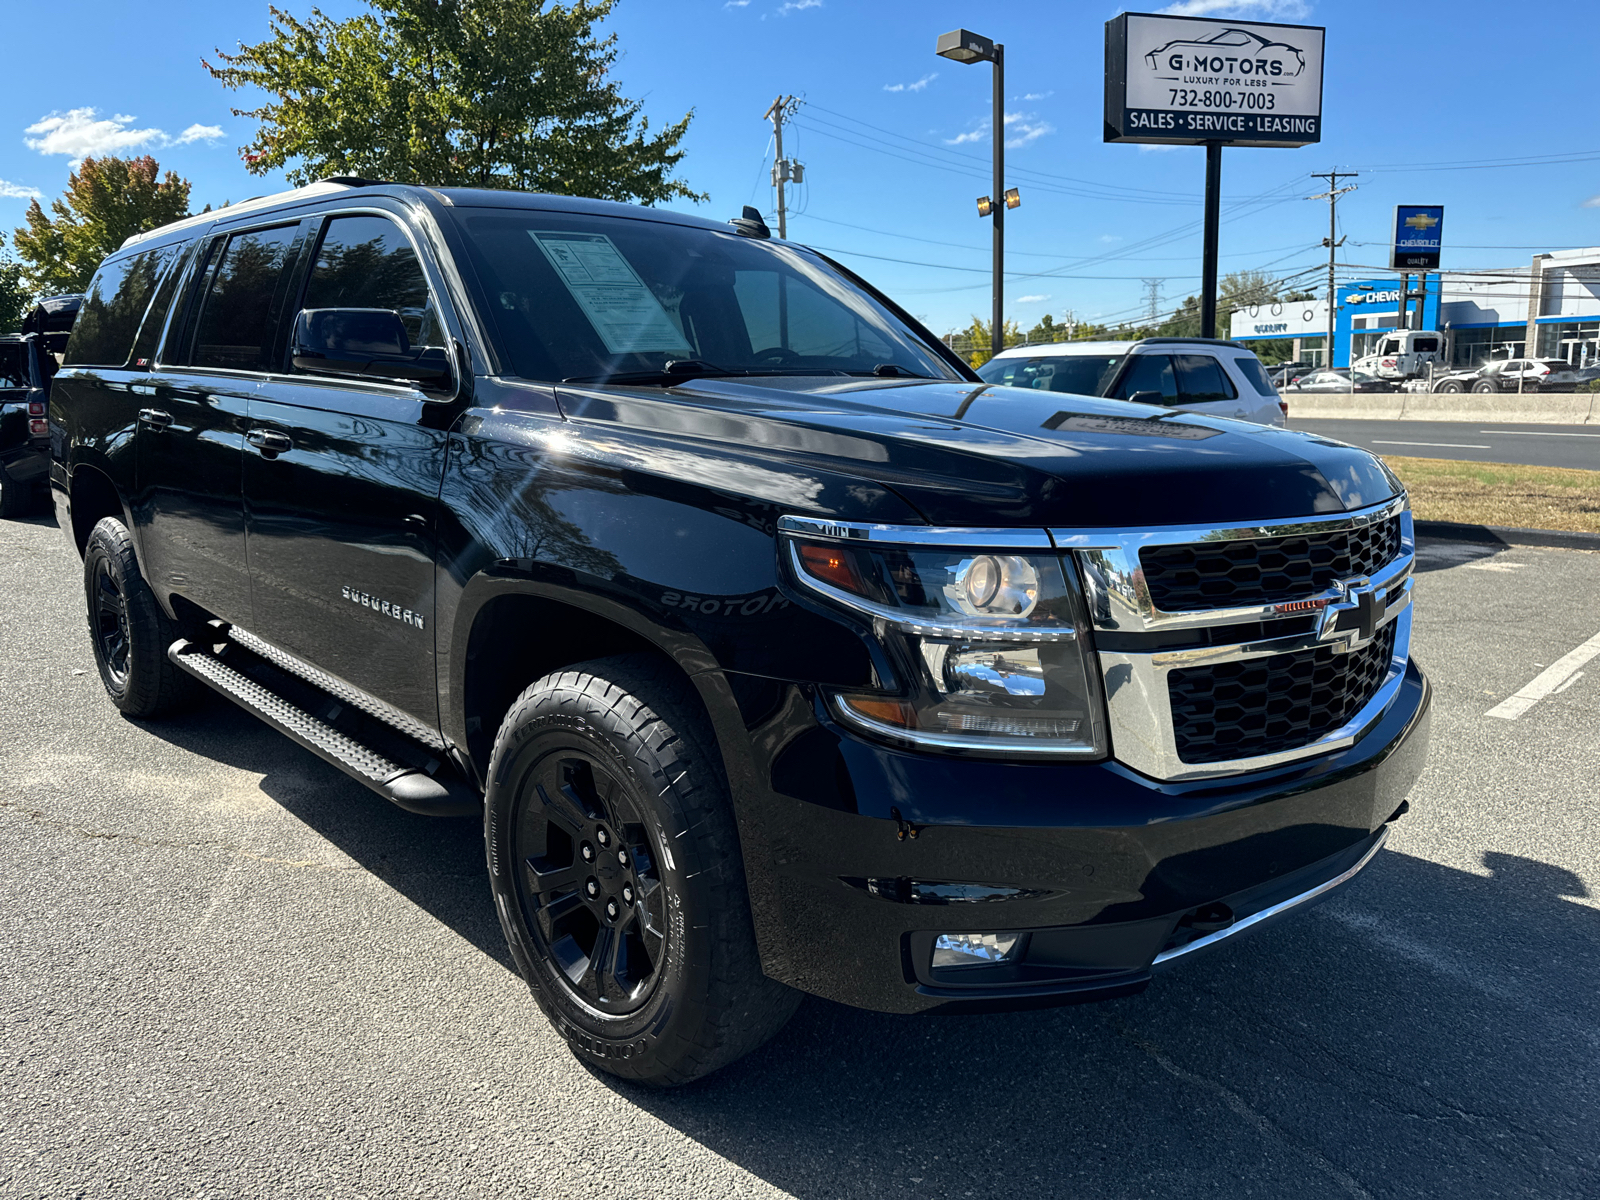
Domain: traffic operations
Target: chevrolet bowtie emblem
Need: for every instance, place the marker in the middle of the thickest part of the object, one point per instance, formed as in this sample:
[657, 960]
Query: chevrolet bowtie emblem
[1368, 606]
[1421, 221]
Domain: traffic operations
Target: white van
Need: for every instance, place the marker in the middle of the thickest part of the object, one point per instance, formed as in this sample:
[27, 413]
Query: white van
[1208, 375]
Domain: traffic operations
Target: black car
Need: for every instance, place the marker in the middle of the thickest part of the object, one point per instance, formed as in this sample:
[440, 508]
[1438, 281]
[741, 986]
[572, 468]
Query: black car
[27, 365]
[778, 651]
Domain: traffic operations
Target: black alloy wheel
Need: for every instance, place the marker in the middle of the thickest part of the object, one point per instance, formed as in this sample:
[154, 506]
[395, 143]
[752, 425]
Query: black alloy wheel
[616, 870]
[127, 629]
[108, 624]
[588, 881]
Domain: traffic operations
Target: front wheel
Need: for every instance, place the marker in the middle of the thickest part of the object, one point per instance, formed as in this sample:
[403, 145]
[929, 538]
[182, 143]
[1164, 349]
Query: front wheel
[616, 872]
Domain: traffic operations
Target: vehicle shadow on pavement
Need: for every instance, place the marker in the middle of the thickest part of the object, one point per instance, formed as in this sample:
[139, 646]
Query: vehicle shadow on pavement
[1430, 1031]
[435, 862]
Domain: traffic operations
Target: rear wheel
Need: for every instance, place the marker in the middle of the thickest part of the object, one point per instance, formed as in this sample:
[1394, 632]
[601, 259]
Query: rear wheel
[1485, 386]
[616, 871]
[16, 499]
[129, 632]
[1451, 386]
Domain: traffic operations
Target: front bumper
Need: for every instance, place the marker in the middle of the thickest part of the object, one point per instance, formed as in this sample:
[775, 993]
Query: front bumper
[866, 853]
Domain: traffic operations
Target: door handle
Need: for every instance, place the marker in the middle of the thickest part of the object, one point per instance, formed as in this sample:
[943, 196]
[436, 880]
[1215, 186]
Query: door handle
[154, 418]
[269, 441]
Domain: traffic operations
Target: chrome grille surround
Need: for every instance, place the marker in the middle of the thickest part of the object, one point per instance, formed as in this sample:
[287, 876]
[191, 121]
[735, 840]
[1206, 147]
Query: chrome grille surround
[1136, 682]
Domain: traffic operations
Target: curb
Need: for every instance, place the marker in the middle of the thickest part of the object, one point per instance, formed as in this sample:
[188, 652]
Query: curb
[1500, 535]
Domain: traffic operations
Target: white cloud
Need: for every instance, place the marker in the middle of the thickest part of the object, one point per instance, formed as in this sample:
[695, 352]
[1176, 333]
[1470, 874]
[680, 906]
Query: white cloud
[198, 133]
[81, 133]
[1038, 95]
[737, 4]
[18, 191]
[912, 87]
[1591, 202]
[1277, 10]
[1107, 239]
[1155, 148]
[790, 6]
[1031, 299]
[1022, 128]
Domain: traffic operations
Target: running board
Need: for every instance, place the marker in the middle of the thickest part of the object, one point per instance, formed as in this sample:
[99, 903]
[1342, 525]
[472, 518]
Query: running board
[412, 788]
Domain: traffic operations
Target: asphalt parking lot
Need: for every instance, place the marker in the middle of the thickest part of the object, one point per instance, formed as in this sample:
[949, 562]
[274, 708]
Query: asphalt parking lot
[1533, 445]
[226, 970]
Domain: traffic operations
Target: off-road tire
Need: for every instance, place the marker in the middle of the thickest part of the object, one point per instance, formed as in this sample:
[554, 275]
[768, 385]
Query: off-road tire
[638, 718]
[127, 629]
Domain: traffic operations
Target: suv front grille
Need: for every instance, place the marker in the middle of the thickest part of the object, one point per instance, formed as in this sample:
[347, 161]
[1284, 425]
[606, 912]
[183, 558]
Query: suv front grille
[1281, 702]
[1228, 574]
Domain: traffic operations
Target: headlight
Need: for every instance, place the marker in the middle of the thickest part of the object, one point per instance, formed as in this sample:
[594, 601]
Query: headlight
[993, 643]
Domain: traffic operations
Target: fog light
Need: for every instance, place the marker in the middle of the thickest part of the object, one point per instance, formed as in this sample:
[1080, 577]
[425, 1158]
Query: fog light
[975, 949]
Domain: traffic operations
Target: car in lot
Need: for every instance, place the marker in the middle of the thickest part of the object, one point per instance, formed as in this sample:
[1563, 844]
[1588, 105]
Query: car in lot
[776, 650]
[1337, 379]
[1220, 378]
[1282, 375]
[1509, 375]
[27, 365]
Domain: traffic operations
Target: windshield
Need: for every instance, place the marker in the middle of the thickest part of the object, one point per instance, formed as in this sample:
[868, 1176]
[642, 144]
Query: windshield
[589, 298]
[1081, 374]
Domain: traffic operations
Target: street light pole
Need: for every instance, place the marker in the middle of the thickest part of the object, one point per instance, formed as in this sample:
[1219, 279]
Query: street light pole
[963, 47]
[997, 340]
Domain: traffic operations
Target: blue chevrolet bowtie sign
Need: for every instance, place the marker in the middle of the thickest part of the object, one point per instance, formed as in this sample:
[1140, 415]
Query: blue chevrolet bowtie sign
[1418, 235]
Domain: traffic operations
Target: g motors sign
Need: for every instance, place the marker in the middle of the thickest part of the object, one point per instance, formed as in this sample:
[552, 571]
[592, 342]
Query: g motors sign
[1418, 236]
[1186, 80]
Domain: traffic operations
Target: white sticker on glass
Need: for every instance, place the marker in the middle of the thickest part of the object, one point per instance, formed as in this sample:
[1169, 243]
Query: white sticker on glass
[622, 309]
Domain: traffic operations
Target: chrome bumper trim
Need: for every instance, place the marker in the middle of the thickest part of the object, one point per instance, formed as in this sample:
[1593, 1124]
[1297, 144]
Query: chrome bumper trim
[1282, 908]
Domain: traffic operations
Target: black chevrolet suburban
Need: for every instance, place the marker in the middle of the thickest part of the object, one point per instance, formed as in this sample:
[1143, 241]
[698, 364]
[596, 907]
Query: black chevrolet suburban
[778, 651]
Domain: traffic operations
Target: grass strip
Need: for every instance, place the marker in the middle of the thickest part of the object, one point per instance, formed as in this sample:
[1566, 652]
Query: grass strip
[1476, 493]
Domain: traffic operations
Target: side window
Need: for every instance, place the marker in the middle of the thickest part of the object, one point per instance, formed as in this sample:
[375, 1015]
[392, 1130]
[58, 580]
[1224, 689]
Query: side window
[12, 366]
[238, 313]
[368, 262]
[1149, 373]
[1202, 380]
[116, 302]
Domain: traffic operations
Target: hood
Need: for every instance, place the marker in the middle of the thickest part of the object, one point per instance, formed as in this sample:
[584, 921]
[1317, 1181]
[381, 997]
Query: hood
[979, 454]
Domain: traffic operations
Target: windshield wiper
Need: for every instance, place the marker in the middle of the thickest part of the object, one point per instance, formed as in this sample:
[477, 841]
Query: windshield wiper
[892, 371]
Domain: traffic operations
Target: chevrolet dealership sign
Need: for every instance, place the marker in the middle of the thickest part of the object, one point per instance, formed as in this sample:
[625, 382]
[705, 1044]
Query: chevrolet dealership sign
[1186, 80]
[1418, 236]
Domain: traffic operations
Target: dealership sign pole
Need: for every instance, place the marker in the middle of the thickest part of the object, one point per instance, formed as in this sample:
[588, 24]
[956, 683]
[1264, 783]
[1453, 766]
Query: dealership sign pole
[1194, 81]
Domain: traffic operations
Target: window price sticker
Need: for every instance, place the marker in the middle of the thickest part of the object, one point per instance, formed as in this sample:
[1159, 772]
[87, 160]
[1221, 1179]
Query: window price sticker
[620, 306]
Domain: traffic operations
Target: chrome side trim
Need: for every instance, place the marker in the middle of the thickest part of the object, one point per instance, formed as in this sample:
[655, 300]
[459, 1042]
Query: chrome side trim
[916, 535]
[1280, 909]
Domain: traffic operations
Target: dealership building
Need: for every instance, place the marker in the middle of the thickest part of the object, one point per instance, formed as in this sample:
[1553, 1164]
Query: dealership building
[1547, 309]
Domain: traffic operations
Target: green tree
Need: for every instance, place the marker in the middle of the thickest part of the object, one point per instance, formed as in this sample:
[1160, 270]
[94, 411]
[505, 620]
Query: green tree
[454, 93]
[15, 294]
[107, 201]
[975, 344]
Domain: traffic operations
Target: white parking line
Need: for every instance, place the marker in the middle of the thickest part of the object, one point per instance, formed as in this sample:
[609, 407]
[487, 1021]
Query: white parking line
[1537, 433]
[1441, 445]
[1551, 679]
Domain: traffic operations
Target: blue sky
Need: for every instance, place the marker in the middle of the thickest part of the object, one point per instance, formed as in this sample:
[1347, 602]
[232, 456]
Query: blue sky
[896, 141]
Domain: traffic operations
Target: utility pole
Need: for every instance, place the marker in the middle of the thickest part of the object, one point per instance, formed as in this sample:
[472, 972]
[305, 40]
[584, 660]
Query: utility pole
[783, 171]
[1152, 298]
[1332, 197]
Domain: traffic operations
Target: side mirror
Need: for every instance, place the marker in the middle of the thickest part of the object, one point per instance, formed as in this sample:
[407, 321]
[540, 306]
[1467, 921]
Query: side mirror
[366, 342]
[1155, 398]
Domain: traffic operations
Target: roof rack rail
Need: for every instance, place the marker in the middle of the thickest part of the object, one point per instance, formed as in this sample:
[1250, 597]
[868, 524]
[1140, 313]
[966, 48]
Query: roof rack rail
[1194, 341]
[353, 181]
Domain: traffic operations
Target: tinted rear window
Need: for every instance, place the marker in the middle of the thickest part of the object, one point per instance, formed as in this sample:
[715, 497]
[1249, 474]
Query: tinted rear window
[1250, 368]
[13, 367]
[244, 291]
[115, 305]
